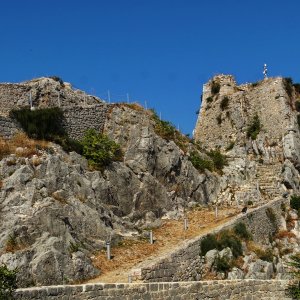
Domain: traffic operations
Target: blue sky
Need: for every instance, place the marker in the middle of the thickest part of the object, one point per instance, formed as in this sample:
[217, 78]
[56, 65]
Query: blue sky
[160, 52]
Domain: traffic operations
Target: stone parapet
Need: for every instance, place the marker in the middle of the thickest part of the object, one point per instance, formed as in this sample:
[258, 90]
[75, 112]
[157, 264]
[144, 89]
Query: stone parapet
[221, 290]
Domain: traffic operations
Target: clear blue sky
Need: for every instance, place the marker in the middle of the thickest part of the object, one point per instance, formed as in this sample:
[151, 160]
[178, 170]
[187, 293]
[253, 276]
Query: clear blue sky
[159, 51]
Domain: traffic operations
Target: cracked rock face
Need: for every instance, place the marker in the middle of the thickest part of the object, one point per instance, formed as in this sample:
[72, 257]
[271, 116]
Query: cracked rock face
[55, 213]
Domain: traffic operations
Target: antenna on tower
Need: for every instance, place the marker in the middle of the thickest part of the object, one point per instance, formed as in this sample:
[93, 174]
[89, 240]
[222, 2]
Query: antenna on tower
[265, 71]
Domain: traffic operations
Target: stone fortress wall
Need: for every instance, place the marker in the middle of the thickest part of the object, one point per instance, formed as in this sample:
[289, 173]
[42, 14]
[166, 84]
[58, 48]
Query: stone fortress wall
[204, 290]
[267, 98]
[81, 111]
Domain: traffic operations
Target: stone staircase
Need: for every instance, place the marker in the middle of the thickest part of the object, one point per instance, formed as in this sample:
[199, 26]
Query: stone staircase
[262, 187]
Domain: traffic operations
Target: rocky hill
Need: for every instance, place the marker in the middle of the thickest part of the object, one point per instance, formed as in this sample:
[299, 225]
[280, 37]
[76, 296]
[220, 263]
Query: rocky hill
[56, 211]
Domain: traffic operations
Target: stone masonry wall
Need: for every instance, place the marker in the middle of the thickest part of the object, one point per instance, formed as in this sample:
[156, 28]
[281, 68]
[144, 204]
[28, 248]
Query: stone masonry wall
[268, 98]
[8, 127]
[78, 119]
[221, 290]
[185, 262]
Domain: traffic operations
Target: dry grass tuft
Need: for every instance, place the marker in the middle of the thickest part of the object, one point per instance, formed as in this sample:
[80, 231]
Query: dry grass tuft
[285, 234]
[21, 145]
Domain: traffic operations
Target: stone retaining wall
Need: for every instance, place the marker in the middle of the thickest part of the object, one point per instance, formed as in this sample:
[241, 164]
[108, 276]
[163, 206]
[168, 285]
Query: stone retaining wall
[78, 119]
[8, 127]
[185, 262]
[226, 289]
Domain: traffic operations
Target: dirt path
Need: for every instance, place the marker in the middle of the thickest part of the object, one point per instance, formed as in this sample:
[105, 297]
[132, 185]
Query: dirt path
[167, 237]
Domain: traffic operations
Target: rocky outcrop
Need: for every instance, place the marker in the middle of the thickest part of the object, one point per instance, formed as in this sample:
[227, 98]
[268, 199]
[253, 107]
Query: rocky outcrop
[55, 212]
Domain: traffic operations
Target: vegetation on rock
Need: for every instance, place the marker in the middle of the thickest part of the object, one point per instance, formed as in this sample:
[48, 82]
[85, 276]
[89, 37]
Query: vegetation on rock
[221, 241]
[224, 103]
[293, 289]
[254, 128]
[46, 124]
[200, 163]
[295, 202]
[167, 130]
[8, 282]
[240, 230]
[219, 160]
[99, 150]
[42, 124]
[215, 87]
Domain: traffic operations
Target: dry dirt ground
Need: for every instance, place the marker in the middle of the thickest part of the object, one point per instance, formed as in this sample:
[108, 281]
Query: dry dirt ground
[168, 236]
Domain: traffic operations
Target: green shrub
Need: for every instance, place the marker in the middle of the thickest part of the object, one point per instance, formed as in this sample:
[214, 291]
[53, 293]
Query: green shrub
[229, 240]
[288, 85]
[240, 230]
[58, 79]
[224, 103]
[40, 123]
[293, 289]
[99, 150]
[298, 121]
[209, 99]
[222, 264]
[254, 84]
[166, 130]
[218, 159]
[297, 87]
[200, 163]
[8, 282]
[219, 119]
[254, 128]
[297, 105]
[230, 146]
[295, 202]
[208, 243]
[266, 255]
[215, 87]
[74, 247]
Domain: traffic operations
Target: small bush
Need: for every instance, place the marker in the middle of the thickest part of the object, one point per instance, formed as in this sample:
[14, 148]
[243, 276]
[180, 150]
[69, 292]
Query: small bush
[200, 163]
[293, 289]
[297, 105]
[224, 103]
[209, 99]
[8, 282]
[266, 255]
[99, 150]
[288, 85]
[222, 264]
[295, 202]
[11, 244]
[298, 121]
[229, 240]
[254, 128]
[219, 119]
[215, 87]
[218, 159]
[58, 79]
[250, 203]
[166, 130]
[230, 146]
[255, 84]
[297, 87]
[40, 123]
[208, 243]
[241, 231]
[74, 247]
